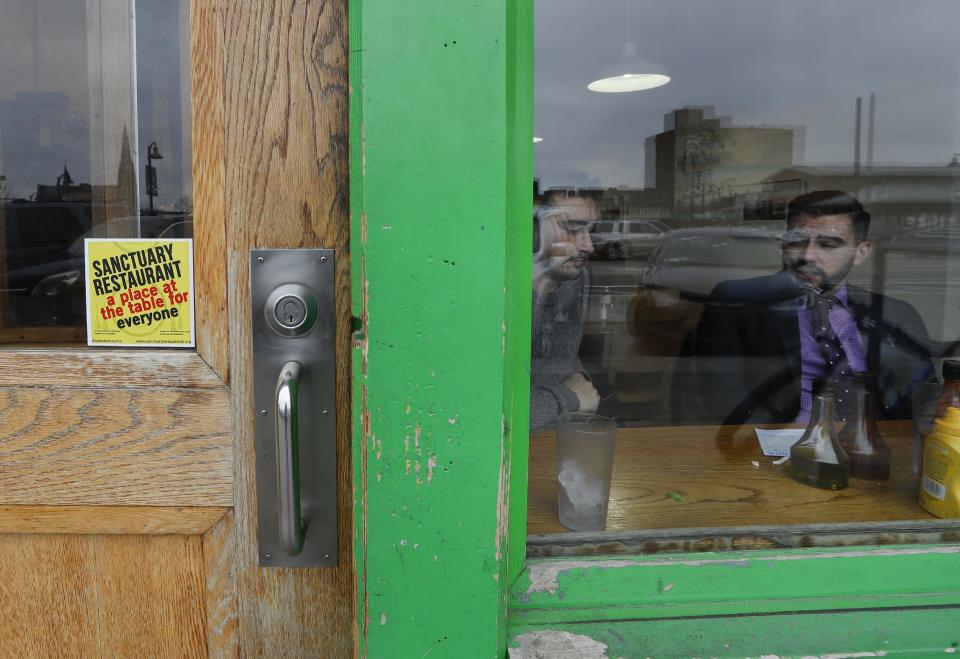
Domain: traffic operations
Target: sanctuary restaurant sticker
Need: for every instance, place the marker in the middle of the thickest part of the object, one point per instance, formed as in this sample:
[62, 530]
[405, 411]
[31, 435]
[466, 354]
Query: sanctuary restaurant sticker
[139, 292]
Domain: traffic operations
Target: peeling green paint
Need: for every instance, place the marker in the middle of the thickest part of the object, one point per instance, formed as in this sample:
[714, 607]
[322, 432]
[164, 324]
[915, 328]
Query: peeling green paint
[572, 590]
[850, 602]
[441, 205]
[891, 633]
[441, 112]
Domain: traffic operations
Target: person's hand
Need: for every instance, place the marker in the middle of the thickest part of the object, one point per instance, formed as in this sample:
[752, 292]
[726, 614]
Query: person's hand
[585, 391]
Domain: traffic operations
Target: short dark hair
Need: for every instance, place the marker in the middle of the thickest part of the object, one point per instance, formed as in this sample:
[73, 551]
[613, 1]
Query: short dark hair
[831, 202]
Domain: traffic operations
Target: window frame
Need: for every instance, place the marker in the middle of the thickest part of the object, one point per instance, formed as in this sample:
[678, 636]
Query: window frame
[485, 52]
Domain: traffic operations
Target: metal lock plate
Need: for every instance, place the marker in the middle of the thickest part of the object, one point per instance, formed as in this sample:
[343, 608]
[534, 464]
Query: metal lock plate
[293, 320]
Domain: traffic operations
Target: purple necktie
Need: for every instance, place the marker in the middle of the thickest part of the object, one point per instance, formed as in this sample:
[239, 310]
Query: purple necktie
[837, 366]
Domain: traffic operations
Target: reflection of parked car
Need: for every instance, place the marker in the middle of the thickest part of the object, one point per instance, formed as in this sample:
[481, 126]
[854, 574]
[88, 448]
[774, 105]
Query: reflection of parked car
[36, 234]
[688, 263]
[617, 239]
[182, 229]
[643, 313]
[43, 277]
[694, 261]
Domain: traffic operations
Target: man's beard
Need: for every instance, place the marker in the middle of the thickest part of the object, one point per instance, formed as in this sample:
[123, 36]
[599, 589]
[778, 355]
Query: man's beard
[812, 277]
[567, 267]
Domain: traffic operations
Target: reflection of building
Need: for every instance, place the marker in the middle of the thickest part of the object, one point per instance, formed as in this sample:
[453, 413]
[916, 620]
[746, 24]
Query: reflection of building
[703, 170]
[40, 131]
[699, 162]
[898, 197]
[698, 169]
[632, 202]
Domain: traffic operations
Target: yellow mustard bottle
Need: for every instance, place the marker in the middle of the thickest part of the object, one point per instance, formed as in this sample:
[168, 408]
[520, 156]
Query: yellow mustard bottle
[940, 483]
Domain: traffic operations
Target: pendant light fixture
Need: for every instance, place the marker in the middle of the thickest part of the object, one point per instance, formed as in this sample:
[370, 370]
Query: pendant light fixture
[630, 74]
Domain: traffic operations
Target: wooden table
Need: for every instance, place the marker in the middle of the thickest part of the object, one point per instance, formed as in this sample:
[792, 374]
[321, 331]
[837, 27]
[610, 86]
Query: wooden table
[694, 476]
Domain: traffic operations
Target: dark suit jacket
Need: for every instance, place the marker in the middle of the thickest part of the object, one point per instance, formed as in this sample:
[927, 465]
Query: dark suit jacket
[747, 348]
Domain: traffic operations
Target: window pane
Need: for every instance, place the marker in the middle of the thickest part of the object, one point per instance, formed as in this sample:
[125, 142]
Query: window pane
[786, 188]
[86, 87]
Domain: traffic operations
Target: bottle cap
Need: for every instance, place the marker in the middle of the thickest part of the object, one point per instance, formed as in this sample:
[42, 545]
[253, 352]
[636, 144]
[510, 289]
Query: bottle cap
[949, 423]
[950, 369]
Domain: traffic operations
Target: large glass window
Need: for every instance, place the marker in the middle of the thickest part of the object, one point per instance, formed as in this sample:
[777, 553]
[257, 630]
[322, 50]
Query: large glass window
[94, 142]
[769, 220]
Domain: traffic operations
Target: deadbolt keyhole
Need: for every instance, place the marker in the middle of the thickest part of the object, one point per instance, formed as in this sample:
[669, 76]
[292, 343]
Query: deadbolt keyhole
[291, 311]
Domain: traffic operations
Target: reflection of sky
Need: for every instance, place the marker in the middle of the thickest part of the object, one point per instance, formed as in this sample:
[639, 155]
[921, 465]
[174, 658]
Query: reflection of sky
[761, 62]
[43, 93]
[46, 119]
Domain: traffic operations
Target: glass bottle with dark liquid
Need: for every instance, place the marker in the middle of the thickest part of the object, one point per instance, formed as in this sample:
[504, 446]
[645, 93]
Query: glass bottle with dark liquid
[817, 458]
[869, 454]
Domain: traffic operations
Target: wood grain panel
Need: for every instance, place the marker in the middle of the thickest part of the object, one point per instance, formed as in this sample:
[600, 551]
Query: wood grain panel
[286, 149]
[221, 589]
[112, 520]
[114, 369]
[48, 597]
[170, 569]
[150, 592]
[209, 194]
[110, 596]
[705, 477]
[151, 447]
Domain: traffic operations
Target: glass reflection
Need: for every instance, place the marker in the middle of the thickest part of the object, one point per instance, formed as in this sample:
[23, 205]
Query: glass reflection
[779, 213]
[85, 85]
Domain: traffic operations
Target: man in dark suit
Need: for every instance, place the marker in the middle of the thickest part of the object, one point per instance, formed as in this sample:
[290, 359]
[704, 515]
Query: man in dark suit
[762, 342]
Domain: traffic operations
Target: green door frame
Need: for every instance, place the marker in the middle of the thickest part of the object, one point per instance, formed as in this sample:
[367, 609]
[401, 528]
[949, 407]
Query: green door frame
[441, 188]
[441, 199]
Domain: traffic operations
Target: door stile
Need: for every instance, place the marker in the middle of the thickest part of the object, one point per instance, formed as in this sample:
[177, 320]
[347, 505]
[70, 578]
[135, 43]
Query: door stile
[209, 191]
[284, 157]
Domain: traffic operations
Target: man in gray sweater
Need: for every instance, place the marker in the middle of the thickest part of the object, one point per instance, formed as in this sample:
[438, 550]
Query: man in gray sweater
[558, 382]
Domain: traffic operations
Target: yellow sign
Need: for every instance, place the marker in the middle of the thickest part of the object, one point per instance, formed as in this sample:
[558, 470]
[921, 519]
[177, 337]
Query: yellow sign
[139, 292]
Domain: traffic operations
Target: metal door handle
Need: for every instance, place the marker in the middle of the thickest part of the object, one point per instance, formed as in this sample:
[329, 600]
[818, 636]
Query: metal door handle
[288, 459]
[293, 324]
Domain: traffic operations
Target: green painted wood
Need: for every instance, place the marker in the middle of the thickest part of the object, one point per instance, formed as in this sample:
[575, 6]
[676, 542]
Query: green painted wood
[441, 207]
[357, 362]
[518, 275]
[891, 633]
[440, 199]
[553, 591]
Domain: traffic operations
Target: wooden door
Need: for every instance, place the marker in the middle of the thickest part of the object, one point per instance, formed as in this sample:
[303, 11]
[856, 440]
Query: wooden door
[127, 493]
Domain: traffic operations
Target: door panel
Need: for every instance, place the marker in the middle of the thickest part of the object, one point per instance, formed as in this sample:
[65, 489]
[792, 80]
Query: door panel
[111, 446]
[127, 477]
[99, 595]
